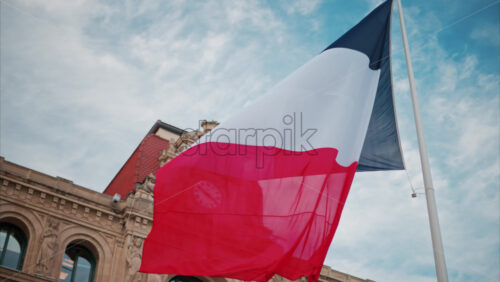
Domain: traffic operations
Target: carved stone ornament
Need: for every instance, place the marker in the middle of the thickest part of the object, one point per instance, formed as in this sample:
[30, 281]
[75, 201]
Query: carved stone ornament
[185, 141]
[167, 154]
[155, 278]
[49, 247]
[134, 256]
[149, 183]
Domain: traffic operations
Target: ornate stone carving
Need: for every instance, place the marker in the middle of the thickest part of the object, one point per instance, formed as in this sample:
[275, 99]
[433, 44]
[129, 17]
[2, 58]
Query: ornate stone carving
[134, 255]
[208, 125]
[49, 246]
[167, 154]
[145, 191]
[184, 141]
[149, 183]
[155, 278]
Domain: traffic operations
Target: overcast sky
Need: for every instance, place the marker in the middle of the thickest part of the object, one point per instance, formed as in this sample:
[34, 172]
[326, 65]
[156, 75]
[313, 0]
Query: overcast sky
[83, 81]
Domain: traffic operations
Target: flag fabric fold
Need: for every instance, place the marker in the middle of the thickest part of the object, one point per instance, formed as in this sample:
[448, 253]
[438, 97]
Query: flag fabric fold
[262, 193]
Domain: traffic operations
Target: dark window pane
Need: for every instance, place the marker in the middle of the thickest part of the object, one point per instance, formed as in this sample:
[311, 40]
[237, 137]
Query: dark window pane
[83, 270]
[180, 278]
[3, 237]
[12, 253]
[78, 265]
[66, 269]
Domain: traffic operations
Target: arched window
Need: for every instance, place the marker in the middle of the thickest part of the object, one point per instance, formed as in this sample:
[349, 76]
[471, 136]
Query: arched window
[12, 246]
[180, 278]
[78, 265]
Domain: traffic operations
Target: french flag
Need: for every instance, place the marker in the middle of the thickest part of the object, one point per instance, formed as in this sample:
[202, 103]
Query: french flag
[262, 193]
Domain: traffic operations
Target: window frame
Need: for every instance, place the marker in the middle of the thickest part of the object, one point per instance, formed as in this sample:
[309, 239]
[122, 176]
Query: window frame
[23, 243]
[183, 278]
[92, 260]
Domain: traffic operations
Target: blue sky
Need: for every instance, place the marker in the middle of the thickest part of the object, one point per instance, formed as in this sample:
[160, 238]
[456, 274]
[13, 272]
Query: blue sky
[83, 81]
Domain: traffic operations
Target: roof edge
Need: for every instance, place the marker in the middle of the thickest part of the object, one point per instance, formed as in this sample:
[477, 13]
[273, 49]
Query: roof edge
[160, 124]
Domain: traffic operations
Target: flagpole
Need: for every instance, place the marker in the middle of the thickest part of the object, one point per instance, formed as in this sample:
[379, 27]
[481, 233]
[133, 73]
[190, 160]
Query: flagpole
[437, 243]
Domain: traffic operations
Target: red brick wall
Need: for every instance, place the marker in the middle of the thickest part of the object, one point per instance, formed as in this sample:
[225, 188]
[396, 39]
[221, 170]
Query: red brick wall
[143, 161]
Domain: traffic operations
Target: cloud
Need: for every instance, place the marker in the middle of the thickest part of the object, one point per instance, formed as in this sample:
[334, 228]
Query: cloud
[303, 7]
[82, 82]
[94, 74]
[373, 3]
[384, 234]
[487, 34]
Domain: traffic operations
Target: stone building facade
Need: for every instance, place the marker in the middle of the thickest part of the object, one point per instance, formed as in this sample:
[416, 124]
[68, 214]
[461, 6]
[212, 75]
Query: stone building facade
[64, 230]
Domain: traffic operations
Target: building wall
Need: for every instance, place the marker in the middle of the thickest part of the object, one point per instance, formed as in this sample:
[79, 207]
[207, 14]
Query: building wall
[143, 161]
[53, 212]
[167, 135]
